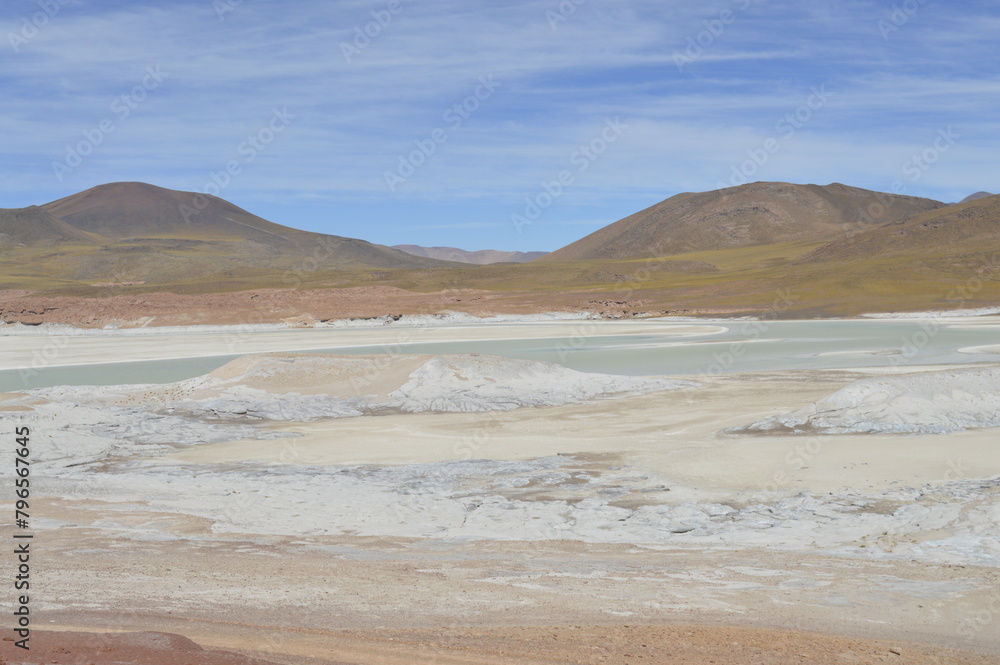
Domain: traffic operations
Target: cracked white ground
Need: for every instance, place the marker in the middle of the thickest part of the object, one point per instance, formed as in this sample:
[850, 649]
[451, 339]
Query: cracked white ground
[356, 492]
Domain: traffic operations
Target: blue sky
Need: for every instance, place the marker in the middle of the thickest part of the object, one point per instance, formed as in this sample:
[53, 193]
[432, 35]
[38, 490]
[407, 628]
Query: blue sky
[500, 124]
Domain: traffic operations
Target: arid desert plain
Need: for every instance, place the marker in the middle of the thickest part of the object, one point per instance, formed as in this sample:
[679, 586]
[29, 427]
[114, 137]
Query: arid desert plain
[388, 332]
[458, 490]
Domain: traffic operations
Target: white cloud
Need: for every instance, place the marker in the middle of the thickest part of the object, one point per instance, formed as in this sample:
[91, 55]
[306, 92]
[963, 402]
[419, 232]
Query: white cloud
[355, 119]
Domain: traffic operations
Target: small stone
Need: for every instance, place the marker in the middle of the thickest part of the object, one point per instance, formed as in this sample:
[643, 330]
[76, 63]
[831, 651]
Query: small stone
[896, 651]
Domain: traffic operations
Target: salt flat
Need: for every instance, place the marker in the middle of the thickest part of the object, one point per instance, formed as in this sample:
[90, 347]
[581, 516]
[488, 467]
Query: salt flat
[369, 493]
[61, 346]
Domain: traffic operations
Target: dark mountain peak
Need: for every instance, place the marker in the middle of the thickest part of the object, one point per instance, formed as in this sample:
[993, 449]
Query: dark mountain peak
[758, 213]
[976, 197]
[153, 233]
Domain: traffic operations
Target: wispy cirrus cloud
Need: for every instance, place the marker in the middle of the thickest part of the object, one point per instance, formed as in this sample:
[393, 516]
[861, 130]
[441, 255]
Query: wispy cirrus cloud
[686, 127]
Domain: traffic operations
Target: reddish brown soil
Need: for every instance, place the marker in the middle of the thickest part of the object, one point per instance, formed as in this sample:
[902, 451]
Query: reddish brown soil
[65, 648]
[561, 645]
[681, 645]
[276, 305]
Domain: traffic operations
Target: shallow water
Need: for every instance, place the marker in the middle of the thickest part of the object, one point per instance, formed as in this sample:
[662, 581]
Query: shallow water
[745, 346]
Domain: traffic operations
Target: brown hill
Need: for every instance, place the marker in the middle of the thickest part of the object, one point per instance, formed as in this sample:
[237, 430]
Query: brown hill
[480, 257]
[955, 232]
[977, 195]
[23, 227]
[137, 212]
[942, 257]
[135, 232]
[760, 213]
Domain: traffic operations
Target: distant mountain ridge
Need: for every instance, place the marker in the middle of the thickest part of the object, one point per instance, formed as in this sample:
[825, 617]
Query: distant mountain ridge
[958, 232]
[479, 257]
[828, 250]
[760, 213]
[976, 196]
[140, 232]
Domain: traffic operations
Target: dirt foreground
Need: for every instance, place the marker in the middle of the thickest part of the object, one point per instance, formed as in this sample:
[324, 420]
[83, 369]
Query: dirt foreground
[537, 645]
[632, 530]
[306, 306]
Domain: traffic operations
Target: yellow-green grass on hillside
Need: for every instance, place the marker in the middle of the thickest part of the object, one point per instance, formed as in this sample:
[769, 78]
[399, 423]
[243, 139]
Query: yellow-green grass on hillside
[741, 280]
[946, 258]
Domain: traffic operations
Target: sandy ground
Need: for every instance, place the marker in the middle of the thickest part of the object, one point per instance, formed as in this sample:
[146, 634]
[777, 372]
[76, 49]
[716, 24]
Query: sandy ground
[679, 435]
[537, 645]
[146, 648]
[351, 599]
[559, 547]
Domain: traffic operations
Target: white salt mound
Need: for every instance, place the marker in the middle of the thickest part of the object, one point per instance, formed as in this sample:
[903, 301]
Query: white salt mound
[88, 423]
[457, 383]
[306, 386]
[920, 403]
